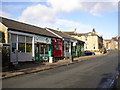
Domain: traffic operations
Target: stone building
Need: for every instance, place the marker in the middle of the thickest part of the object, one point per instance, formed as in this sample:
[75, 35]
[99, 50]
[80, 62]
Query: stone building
[112, 44]
[93, 41]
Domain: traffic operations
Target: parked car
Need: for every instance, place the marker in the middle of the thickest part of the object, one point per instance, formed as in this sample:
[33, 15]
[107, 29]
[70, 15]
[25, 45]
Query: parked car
[89, 53]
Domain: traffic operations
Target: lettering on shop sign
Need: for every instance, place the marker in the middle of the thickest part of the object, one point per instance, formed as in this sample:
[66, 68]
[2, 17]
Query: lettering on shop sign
[42, 39]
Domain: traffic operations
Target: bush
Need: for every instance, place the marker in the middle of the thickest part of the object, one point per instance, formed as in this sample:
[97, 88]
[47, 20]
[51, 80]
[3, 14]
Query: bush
[103, 50]
[5, 56]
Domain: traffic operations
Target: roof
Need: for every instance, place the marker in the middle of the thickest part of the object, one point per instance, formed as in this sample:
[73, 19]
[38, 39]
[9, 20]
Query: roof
[106, 39]
[63, 35]
[82, 34]
[71, 33]
[19, 26]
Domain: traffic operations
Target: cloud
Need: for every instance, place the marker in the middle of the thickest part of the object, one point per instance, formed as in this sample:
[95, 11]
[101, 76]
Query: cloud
[4, 14]
[100, 8]
[64, 5]
[58, 0]
[71, 25]
[23, 0]
[43, 16]
[47, 16]
[95, 8]
[38, 13]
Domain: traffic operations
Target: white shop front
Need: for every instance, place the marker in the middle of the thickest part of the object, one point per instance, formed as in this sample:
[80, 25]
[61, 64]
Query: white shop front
[22, 46]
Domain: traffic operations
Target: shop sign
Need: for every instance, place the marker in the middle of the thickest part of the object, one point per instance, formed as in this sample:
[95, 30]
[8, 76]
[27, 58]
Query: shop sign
[42, 39]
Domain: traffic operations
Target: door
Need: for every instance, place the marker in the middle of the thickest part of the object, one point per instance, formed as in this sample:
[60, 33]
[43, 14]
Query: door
[37, 52]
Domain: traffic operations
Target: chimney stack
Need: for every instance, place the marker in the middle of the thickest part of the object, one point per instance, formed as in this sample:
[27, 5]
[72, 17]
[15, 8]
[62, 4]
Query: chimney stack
[75, 30]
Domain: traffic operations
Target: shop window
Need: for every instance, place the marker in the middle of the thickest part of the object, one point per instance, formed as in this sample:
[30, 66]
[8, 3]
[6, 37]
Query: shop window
[21, 47]
[21, 43]
[74, 48]
[44, 49]
[28, 39]
[67, 47]
[13, 47]
[21, 38]
[78, 48]
[28, 47]
[13, 38]
[57, 47]
[28, 44]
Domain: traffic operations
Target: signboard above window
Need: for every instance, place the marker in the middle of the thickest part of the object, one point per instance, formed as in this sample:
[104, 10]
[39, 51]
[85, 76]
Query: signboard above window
[42, 39]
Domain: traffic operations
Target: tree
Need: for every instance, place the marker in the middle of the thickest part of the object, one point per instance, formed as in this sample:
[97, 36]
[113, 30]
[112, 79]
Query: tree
[2, 37]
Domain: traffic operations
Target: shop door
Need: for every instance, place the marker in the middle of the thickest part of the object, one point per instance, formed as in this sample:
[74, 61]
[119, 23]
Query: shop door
[44, 52]
[37, 52]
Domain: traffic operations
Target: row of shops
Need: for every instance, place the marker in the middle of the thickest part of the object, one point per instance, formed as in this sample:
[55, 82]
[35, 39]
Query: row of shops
[32, 43]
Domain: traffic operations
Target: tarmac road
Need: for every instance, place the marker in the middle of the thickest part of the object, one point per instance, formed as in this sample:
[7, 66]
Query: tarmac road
[86, 74]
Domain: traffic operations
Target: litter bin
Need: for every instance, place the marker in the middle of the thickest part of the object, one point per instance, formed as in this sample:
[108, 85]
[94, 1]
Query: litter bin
[50, 59]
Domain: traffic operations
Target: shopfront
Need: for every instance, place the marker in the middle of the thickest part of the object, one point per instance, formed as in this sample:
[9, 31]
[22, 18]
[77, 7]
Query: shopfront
[43, 48]
[77, 48]
[57, 45]
[67, 48]
[21, 46]
[74, 49]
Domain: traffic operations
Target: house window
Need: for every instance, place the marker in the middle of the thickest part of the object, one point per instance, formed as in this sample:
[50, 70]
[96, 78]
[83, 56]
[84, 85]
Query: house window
[93, 46]
[86, 38]
[86, 46]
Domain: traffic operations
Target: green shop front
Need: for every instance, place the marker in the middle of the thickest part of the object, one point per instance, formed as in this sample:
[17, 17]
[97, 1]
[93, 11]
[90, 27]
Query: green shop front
[43, 48]
[77, 48]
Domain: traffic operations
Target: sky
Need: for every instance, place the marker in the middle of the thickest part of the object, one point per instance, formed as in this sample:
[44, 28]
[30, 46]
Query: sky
[66, 14]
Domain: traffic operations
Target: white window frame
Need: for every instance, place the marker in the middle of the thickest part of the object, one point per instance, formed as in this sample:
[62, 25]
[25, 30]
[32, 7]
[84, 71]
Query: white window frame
[25, 34]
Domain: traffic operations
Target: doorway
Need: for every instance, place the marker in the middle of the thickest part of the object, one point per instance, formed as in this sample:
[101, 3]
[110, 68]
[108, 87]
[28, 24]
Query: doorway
[42, 51]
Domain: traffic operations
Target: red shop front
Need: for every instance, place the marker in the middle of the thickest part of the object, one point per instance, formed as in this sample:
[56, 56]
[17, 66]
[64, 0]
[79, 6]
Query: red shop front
[57, 47]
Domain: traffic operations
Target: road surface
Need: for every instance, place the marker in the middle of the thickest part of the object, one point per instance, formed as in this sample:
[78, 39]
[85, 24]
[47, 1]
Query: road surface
[87, 74]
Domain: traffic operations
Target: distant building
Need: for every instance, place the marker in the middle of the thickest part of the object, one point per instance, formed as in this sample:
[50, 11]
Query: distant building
[106, 43]
[93, 41]
[112, 44]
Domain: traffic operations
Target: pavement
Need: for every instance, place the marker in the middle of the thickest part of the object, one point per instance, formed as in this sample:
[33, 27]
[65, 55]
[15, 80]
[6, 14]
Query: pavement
[33, 68]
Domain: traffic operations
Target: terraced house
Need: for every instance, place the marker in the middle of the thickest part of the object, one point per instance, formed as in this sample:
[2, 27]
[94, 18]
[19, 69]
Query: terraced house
[93, 41]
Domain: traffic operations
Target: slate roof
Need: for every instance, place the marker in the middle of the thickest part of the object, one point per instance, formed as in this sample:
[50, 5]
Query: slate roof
[23, 27]
[64, 35]
[82, 34]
